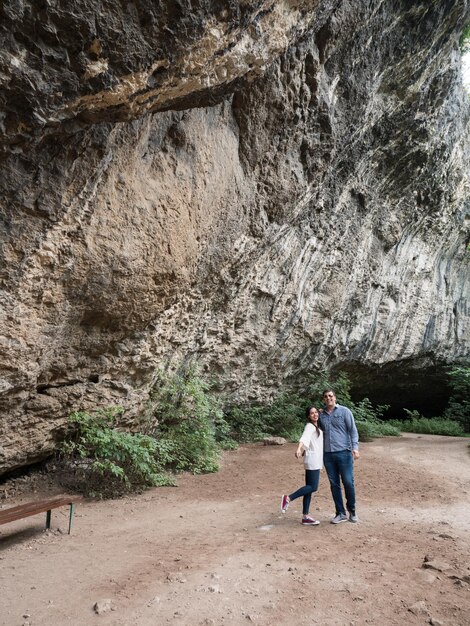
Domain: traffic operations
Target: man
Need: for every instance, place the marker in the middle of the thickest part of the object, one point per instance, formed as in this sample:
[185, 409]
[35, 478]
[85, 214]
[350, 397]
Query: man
[341, 448]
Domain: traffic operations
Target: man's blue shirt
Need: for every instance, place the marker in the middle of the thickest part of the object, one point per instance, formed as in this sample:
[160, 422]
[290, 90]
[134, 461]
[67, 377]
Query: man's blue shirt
[340, 432]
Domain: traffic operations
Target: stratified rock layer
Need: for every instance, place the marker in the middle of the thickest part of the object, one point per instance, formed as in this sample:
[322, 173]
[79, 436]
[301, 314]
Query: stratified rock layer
[267, 188]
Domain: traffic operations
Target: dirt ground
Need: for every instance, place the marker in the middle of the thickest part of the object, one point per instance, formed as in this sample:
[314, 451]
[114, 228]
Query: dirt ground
[217, 550]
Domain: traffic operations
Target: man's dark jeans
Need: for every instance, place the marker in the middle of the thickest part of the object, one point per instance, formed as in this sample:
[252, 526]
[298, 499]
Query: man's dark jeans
[339, 467]
[312, 478]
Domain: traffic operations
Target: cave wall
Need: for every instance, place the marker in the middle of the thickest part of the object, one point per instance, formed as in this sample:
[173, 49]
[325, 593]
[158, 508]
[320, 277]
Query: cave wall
[265, 188]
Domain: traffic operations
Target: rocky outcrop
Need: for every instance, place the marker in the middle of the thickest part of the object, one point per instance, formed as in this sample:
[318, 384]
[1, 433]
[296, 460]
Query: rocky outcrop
[268, 188]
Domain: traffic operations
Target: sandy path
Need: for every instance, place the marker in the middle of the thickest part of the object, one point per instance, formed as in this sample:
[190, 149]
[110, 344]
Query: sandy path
[216, 549]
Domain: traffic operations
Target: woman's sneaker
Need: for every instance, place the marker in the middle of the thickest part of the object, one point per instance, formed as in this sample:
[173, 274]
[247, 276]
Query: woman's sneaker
[284, 503]
[309, 521]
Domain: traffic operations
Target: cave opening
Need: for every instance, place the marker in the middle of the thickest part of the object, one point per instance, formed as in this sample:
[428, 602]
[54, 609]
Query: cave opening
[402, 386]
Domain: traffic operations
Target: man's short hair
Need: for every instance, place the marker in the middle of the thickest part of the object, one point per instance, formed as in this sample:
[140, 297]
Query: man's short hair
[328, 391]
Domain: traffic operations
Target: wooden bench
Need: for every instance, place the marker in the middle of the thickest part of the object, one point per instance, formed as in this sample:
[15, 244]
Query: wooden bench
[40, 506]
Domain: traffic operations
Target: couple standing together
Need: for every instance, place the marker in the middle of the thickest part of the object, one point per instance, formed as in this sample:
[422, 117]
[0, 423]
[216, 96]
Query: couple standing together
[329, 439]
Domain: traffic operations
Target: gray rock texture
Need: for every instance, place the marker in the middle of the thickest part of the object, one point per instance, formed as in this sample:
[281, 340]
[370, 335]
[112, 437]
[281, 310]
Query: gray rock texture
[267, 188]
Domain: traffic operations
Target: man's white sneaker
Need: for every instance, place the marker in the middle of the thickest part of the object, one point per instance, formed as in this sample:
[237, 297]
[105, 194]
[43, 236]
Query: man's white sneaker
[353, 518]
[341, 517]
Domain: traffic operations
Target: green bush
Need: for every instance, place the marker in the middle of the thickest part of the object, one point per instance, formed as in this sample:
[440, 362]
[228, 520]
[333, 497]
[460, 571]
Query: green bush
[185, 417]
[385, 429]
[458, 408]
[366, 431]
[105, 461]
[368, 418]
[185, 429]
[324, 380]
[464, 41]
[362, 410]
[369, 430]
[247, 424]
[283, 417]
[428, 426]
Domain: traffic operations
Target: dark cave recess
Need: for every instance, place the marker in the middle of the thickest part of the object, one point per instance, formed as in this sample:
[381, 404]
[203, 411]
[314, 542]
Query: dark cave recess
[402, 386]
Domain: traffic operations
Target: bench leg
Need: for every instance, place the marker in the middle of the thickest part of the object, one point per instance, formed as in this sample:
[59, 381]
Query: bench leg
[70, 517]
[48, 519]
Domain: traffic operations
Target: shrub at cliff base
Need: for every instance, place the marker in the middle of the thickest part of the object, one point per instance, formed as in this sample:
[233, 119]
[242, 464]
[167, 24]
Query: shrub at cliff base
[368, 418]
[184, 429]
[458, 408]
[464, 41]
[455, 421]
[285, 416]
[282, 417]
[184, 416]
[101, 460]
[416, 423]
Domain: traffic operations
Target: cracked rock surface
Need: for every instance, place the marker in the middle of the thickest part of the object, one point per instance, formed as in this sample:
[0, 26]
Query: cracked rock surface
[269, 188]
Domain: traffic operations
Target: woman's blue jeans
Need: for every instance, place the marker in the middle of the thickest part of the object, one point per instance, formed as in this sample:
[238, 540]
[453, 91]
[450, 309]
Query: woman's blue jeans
[340, 468]
[312, 479]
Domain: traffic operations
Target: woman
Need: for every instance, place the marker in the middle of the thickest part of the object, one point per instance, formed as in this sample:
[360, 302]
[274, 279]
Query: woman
[311, 446]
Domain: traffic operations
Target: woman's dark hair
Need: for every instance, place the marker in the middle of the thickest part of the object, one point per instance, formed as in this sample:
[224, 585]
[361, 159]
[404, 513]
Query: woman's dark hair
[307, 415]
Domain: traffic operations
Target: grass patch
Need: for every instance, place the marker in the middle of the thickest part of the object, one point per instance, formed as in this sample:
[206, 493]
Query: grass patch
[428, 425]
[370, 430]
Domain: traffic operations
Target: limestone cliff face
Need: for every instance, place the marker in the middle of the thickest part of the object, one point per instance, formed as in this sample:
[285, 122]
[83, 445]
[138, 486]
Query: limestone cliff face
[265, 187]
